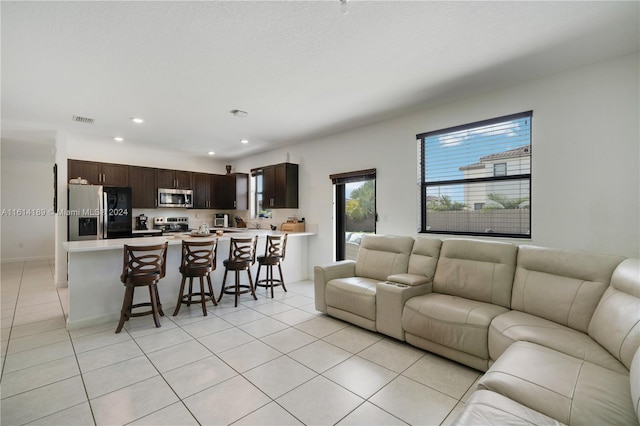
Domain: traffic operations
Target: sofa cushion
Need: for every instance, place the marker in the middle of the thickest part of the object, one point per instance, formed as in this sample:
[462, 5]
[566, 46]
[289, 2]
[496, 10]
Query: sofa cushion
[451, 321]
[476, 270]
[383, 255]
[616, 321]
[515, 326]
[634, 378]
[490, 408]
[574, 281]
[355, 294]
[422, 263]
[568, 389]
[424, 257]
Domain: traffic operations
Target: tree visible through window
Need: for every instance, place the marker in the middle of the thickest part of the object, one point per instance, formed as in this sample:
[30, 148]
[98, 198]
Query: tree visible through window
[476, 178]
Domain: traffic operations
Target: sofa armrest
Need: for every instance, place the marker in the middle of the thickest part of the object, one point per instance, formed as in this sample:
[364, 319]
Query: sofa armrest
[410, 279]
[323, 274]
[390, 299]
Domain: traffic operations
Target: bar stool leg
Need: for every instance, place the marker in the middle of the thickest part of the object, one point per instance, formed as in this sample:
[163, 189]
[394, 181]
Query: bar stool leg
[153, 294]
[224, 283]
[237, 286]
[190, 290]
[253, 293]
[184, 279]
[158, 302]
[126, 308]
[203, 300]
[213, 298]
[271, 279]
[281, 277]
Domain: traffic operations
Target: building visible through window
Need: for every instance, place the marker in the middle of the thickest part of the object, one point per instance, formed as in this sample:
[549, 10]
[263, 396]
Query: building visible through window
[476, 178]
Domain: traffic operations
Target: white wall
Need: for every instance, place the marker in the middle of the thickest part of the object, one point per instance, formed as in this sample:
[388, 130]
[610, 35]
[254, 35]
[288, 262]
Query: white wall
[27, 184]
[83, 147]
[585, 182]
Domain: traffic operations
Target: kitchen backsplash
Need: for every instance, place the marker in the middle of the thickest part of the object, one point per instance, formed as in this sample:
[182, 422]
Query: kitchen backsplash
[200, 216]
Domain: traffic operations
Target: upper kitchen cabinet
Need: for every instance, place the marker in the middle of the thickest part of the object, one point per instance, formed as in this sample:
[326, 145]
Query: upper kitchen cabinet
[99, 173]
[231, 192]
[204, 185]
[279, 186]
[143, 187]
[173, 179]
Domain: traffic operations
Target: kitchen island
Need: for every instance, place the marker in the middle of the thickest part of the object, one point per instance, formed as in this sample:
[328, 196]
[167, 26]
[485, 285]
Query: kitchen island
[94, 268]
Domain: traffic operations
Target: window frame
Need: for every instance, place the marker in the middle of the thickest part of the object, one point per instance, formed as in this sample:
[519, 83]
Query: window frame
[424, 185]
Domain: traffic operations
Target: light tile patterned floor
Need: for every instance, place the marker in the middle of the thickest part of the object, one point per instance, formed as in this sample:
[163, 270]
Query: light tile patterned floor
[271, 361]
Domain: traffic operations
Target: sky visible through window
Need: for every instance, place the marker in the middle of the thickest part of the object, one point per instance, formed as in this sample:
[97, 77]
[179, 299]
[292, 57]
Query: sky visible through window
[445, 153]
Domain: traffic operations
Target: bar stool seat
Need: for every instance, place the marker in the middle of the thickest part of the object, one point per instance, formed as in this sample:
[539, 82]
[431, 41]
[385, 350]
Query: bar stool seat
[274, 253]
[242, 254]
[143, 266]
[198, 261]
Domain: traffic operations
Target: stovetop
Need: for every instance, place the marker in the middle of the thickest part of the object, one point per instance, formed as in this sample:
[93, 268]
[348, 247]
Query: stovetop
[171, 224]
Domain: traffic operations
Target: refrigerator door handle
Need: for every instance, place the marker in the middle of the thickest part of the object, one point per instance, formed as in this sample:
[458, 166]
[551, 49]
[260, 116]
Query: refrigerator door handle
[103, 214]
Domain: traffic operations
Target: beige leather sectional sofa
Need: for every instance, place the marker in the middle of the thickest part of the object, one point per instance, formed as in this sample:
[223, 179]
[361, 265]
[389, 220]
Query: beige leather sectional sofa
[556, 331]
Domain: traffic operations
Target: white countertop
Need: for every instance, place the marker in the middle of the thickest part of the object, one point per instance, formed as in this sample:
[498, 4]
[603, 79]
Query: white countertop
[118, 243]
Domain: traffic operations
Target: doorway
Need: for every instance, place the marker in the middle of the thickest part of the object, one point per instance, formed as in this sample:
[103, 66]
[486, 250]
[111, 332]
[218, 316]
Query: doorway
[355, 210]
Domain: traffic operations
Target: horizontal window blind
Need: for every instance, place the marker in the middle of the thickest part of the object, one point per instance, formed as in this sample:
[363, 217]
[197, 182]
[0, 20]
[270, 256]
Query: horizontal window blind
[470, 172]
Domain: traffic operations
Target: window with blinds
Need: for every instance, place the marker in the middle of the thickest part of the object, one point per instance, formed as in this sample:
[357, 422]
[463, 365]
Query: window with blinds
[476, 178]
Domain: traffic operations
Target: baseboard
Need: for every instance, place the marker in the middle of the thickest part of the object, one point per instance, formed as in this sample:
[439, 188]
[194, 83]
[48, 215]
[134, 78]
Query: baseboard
[26, 259]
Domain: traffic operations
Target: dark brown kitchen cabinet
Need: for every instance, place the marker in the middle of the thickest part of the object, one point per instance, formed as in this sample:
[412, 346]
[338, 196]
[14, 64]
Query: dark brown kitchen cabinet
[231, 192]
[99, 173]
[280, 186]
[203, 190]
[143, 187]
[173, 179]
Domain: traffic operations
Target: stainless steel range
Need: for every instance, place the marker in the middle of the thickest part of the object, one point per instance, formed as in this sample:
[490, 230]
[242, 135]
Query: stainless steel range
[171, 224]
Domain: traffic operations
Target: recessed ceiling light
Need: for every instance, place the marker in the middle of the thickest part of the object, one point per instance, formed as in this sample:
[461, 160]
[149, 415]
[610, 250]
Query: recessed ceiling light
[137, 120]
[118, 139]
[244, 141]
[211, 153]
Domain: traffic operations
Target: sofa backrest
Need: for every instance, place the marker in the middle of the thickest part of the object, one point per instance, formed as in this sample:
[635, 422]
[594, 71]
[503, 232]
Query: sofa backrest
[424, 257]
[562, 286]
[616, 321]
[382, 255]
[478, 270]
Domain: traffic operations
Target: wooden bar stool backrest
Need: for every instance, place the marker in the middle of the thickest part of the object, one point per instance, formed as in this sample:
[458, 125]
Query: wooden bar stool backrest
[242, 251]
[276, 246]
[144, 265]
[198, 257]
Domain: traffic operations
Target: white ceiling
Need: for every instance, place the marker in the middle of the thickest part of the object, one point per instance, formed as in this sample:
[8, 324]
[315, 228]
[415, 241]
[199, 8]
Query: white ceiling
[300, 69]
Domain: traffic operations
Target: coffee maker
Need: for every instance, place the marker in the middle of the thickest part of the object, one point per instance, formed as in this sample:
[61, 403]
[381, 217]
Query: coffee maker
[141, 222]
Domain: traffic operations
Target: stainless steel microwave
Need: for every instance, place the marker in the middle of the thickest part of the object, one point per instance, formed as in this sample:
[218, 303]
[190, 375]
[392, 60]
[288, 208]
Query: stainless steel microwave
[175, 197]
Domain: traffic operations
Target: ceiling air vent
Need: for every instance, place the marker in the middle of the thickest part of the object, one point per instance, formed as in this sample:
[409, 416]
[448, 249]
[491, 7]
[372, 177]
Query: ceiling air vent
[84, 120]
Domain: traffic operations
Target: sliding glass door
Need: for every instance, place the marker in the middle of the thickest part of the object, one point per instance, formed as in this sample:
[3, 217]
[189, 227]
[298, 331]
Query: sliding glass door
[355, 210]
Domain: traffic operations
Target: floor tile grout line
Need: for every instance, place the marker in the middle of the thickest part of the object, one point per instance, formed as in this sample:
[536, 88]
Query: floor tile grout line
[167, 383]
[254, 338]
[12, 320]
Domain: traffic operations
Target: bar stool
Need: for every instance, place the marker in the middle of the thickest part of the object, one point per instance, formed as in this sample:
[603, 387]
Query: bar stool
[274, 252]
[242, 254]
[198, 261]
[142, 266]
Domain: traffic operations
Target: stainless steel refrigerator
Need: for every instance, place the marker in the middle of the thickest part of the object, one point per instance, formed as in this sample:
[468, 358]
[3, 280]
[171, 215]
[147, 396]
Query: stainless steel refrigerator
[99, 212]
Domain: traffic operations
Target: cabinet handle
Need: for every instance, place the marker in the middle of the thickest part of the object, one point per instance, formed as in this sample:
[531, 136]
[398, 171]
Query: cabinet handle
[234, 204]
